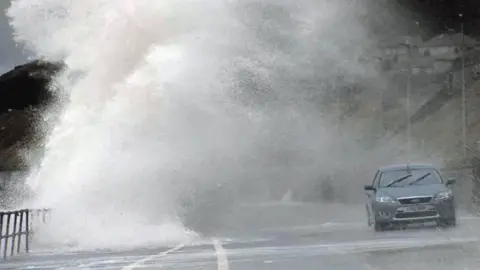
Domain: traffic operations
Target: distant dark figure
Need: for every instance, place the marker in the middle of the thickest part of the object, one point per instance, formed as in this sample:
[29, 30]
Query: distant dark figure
[324, 188]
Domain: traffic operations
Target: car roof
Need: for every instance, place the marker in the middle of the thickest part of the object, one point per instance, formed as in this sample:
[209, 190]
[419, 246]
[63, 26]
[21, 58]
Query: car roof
[406, 166]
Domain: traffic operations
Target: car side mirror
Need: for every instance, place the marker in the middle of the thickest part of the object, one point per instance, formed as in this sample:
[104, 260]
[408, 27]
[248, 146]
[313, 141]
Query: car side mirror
[451, 181]
[369, 188]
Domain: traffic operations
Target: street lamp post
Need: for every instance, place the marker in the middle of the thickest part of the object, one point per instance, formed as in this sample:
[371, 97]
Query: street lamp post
[464, 98]
[407, 104]
[407, 100]
[381, 100]
[338, 130]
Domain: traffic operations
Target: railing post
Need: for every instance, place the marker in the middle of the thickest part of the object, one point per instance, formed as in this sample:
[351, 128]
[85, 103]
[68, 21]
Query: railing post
[27, 233]
[1, 231]
[44, 215]
[14, 233]
[22, 212]
[9, 216]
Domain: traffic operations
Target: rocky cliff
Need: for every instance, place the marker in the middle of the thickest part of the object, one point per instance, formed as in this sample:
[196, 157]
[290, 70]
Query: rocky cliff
[24, 92]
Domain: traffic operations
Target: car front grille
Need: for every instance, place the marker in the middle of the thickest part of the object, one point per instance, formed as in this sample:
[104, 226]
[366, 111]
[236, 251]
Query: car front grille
[431, 213]
[415, 200]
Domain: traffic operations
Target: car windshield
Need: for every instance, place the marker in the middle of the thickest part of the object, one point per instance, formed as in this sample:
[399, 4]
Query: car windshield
[414, 177]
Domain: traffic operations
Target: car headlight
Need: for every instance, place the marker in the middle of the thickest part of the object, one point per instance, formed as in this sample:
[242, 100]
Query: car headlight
[444, 195]
[385, 199]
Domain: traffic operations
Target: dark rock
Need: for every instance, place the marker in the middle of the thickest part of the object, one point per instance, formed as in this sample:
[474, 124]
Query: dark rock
[17, 132]
[27, 86]
[24, 92]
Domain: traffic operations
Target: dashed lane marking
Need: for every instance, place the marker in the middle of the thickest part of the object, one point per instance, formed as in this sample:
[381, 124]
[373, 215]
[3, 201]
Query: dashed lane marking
[222, 260]
[142, 261]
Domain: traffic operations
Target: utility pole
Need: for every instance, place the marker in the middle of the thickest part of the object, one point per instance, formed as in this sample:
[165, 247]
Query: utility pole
[381, 100]
[407, 102]
[338, 131]
[464, 98]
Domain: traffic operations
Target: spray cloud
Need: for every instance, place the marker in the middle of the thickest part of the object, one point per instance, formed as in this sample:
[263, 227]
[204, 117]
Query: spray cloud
[169, 99]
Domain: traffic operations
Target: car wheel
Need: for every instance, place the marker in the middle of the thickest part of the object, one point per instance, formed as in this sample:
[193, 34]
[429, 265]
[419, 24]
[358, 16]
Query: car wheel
[450, 222]
[378, 227]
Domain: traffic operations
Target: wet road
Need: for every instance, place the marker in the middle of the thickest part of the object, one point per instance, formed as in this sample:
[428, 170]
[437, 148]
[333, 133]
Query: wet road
[341, 245]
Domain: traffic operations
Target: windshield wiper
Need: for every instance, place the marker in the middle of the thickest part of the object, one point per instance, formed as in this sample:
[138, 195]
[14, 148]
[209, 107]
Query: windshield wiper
[399, 180]
[419, 179]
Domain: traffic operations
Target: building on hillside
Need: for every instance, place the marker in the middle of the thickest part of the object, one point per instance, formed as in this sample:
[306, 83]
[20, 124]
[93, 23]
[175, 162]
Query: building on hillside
[433, 56]
[448, 45]
[397, 47]
[435, 72]
[434, 62]
[395, 50]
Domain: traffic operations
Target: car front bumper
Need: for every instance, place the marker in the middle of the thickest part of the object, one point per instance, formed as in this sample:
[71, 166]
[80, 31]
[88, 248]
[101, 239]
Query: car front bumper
[397, 213]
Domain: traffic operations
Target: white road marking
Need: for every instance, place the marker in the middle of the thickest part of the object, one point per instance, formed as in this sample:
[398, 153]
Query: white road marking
[222, 260]
[94, 263]
[370, 267]
[140, 262]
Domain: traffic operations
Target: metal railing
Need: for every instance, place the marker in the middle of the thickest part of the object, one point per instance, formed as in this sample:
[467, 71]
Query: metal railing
[16, 229]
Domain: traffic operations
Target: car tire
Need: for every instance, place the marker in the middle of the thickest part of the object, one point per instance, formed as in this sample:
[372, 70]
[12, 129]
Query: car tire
[449, 222]
[379, 227]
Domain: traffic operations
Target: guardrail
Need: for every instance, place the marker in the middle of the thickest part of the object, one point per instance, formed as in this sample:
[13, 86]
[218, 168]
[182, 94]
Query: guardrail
[16, 229]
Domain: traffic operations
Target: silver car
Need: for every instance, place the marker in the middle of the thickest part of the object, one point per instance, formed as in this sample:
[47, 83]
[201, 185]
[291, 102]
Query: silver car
[409, 193]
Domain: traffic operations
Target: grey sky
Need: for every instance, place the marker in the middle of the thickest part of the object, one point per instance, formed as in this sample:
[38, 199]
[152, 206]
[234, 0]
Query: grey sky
[10, 55]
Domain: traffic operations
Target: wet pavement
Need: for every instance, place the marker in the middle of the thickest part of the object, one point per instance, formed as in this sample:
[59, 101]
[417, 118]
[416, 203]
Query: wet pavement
[330, 245]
